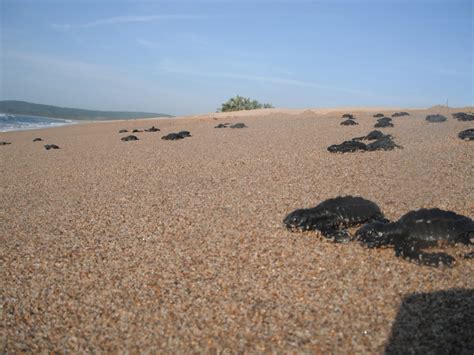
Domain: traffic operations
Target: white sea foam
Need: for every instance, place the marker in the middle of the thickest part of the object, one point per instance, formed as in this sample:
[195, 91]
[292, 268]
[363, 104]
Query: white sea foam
[10, 122]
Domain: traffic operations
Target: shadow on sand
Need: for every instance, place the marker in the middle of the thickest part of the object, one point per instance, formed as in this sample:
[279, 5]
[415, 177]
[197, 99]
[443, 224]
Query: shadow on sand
[434, 323]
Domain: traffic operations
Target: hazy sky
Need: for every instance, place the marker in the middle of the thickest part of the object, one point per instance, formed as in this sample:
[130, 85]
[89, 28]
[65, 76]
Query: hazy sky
[183, 57]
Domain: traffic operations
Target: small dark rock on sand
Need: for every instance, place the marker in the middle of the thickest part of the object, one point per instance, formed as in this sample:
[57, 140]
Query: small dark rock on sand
[123, 131]
[349, 122]
[436, 118]
[348, 115]
[400, 114]
[37, 140]
[129, 138]
[463, 116]
[4, 143]
[152, 129]
[377, 115]
[51, 146]
[239, 125]
[136, 131]
[467, 135]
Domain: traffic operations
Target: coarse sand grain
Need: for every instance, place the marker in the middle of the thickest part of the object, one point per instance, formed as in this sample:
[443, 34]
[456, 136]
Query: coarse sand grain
[178, 246]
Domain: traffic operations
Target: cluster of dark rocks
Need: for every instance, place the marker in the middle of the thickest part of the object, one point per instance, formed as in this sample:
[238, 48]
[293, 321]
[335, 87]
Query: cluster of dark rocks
[379, 141]
[350, 120]
[400, 114]
[176, 136]
[463, 116]
[384, 122]
[436, 118]
[236, 125]
[467, 135]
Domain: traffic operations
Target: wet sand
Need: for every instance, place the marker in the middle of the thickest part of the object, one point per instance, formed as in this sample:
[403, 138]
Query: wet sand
[178, 246]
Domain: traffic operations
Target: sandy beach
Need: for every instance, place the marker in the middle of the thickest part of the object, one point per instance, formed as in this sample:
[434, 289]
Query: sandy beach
[178, 246]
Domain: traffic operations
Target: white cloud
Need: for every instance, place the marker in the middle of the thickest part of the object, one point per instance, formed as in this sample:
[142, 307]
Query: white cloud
[94, 85]
[128, 19]
[172, 67]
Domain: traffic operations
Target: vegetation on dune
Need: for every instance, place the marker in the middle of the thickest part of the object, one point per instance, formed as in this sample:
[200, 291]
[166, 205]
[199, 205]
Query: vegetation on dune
[239, 103]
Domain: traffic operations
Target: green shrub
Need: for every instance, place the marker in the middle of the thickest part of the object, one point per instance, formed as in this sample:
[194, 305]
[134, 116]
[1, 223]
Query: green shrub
[239, 103]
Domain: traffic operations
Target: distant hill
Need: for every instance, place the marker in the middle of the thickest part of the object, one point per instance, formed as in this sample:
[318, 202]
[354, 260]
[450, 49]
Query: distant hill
[30, 109]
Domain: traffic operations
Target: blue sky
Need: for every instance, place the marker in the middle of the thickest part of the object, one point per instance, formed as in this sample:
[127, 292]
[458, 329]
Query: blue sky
[187, 57]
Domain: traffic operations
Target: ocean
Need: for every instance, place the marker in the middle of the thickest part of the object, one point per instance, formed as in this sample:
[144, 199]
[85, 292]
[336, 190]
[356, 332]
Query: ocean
[9, 122]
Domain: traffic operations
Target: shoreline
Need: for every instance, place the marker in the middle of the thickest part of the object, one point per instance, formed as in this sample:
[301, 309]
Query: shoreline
[261, 113]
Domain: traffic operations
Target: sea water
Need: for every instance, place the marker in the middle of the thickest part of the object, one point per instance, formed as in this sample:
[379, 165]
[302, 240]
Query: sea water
[9, 122]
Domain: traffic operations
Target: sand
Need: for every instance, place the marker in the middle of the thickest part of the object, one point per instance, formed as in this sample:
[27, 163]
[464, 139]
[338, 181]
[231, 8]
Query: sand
[178, 246]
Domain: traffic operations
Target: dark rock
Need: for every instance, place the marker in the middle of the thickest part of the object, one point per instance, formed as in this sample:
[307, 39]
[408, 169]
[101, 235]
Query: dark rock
[238, 125]
[37, 140]
[349, 122]
[467, 135]
[436, 118]
[348, 115]
[129, 138]
[51, 146]
[378, 115]
[462, 116]
[123, 131]
[4, 143]
[136, 131]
